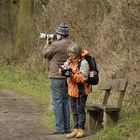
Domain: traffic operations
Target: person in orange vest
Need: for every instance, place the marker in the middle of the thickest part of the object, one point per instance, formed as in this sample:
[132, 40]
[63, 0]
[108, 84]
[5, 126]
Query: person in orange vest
[78, 89]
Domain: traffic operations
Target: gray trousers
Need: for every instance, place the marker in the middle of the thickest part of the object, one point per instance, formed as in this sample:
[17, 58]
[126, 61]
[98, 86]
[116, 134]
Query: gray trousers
[78, 110]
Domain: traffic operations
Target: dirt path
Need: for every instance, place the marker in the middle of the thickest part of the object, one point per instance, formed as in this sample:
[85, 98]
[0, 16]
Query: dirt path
[19, 119]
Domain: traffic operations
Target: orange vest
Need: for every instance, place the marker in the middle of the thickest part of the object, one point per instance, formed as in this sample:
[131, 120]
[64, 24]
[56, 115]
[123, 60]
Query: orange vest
[76, 78]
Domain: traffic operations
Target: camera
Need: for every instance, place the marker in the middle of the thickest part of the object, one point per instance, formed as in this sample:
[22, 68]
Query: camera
[66, 70]
[49, 37]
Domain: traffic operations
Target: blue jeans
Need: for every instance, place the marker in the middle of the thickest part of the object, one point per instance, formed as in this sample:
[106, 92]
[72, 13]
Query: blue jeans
[60, 102]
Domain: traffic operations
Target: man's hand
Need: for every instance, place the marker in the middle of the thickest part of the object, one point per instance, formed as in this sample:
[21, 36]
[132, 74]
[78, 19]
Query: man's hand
[42, 35]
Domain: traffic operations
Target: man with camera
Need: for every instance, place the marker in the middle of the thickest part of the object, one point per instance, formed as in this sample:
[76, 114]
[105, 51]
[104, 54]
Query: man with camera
[56, 53]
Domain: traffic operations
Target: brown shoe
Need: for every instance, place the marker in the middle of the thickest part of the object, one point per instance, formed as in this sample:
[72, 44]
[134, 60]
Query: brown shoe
[72, 134]
[80, 133]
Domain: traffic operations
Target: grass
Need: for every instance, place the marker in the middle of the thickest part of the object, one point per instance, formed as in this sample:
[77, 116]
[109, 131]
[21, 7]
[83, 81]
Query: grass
[47, 118]
[25, 83]
[127, 129]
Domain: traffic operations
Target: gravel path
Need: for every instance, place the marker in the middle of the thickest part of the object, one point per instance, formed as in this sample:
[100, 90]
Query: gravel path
[19, 119]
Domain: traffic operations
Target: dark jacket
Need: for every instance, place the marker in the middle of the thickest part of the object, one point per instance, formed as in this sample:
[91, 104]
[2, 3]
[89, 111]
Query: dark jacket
[56, 53]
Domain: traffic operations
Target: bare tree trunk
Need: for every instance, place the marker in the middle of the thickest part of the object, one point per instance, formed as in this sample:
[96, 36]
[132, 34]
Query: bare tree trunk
[24, 26]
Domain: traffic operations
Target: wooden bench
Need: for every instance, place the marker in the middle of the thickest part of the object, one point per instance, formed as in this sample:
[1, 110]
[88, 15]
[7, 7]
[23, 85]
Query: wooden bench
[101, 115]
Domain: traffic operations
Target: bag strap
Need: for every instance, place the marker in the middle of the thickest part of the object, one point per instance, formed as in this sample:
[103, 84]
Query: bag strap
[79, 63]
[80, 85]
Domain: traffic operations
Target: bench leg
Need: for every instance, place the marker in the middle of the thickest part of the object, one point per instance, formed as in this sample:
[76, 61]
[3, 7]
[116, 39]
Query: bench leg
[94, 121]
[110, 118]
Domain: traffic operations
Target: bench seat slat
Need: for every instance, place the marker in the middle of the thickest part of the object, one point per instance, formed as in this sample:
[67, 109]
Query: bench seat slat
[97, 107]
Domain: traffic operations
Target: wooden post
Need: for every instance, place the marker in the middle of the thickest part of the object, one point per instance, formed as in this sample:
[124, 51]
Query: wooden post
[91, 121]
[121, 97]
[106, 96]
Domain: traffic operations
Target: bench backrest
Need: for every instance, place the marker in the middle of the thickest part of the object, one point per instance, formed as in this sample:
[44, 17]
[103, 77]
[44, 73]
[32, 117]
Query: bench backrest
[119, 85]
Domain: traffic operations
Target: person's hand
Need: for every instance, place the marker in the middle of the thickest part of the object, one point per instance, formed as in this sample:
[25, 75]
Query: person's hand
[60, 71]
[74, 70]
[42, 35]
